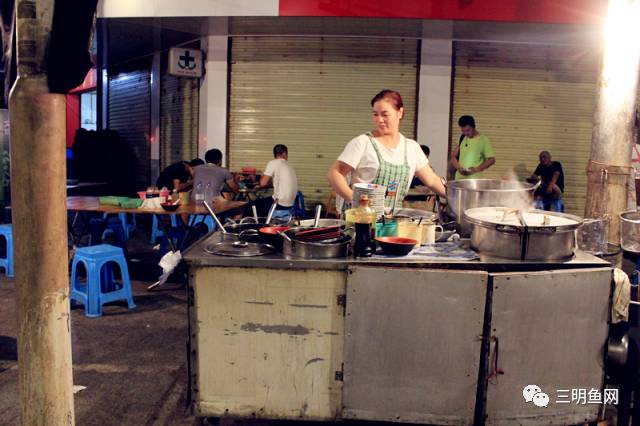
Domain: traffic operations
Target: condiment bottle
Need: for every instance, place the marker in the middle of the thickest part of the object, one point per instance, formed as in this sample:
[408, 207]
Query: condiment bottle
[199, 193]
[365, 222]
[164, 194]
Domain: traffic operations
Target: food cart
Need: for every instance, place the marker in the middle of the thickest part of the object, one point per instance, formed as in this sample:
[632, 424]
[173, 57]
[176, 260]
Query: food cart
[395, 339]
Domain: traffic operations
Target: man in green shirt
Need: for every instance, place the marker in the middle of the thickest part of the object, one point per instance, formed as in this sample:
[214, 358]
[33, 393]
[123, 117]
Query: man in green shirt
[474, 154]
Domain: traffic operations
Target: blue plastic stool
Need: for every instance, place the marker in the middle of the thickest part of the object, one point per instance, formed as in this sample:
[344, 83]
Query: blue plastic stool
[558, 205]
[156, 232]
[7, 262]
[100, 287]
[208, 220]
[298, 206]
[129, 227]
[283, 215]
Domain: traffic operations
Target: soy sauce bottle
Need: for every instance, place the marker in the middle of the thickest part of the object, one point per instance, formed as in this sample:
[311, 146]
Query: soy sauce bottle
[365, 221]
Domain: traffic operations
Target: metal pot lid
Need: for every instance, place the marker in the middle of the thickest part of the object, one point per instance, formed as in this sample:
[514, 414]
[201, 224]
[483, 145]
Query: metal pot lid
[238, 248]
[535, 220]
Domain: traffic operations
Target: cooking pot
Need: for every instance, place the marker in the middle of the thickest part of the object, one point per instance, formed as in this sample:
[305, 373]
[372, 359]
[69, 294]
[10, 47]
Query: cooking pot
[524, 235]
[335, 248]
[469, 193]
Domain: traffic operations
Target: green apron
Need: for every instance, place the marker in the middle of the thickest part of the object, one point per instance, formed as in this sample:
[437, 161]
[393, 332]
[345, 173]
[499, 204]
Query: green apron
[389, 173]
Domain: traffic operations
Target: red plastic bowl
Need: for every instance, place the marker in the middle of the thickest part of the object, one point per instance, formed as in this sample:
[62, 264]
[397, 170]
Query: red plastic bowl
[170, 207]
[398, 246]
[142, 194]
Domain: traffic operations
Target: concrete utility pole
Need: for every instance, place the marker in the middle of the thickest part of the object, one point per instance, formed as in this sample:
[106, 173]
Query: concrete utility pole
[38, 192]
[609, 168]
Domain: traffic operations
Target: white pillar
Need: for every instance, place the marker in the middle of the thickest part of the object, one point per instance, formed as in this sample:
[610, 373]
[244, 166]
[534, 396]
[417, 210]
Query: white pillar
[212, 127]
[434, 99]
[155, 119]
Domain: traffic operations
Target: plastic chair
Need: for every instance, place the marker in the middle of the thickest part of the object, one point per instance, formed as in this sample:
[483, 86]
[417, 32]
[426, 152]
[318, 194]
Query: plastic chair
[156, 232]
[129, 227]
[100, 286]
[558, 205]
[549, 205]
[208, 220]
[7, 262]
[298, 206]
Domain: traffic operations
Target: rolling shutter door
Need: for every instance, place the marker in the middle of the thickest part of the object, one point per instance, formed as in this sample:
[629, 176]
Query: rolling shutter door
[527, 99]
[178, 119]
[129, 114]
[312, 94]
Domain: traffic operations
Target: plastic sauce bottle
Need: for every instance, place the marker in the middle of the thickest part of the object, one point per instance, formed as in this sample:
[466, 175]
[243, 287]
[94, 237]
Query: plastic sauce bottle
[164, 194]
[199, 193]
[208, 192]
[365, 222]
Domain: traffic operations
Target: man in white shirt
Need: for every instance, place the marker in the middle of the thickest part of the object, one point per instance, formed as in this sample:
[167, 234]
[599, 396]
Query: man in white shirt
[283, 177]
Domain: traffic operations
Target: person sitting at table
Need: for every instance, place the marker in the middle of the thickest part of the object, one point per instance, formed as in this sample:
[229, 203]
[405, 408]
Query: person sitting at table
[285, 184]
[416, 181]
[211, 177]
[178, 176]
[548, 196]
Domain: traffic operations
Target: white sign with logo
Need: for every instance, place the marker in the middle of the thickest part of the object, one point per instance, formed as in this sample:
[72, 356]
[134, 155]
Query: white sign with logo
[185, 62]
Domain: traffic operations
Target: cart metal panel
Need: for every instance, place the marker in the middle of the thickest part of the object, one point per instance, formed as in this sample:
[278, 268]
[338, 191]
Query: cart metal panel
[551, 328]
[266, 343]
[398, 366]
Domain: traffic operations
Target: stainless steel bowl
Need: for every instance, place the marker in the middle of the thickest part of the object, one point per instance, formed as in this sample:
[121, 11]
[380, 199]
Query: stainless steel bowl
[323, 223]
[292, 248]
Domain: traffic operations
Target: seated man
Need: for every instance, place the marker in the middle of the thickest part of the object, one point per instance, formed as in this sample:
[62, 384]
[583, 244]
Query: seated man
[285, 183]
[210, 178]
[416, 181]
[178, 176]
[548, 195]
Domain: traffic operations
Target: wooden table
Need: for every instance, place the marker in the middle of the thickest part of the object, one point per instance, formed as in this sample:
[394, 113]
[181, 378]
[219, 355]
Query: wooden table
[92, 204]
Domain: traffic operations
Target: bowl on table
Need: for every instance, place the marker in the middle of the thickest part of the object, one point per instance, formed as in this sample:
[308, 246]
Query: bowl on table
[397, 246]
[142, 194]
[170, 207]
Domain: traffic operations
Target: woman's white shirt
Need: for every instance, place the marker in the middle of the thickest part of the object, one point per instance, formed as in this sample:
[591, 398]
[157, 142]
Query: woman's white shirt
[360, 154]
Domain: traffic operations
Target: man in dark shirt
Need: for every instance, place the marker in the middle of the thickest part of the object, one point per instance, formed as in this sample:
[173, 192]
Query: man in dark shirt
[178, 176]
[552, 181]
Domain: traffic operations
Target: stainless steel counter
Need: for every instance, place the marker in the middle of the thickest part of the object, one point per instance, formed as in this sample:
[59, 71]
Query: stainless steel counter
[196, 256]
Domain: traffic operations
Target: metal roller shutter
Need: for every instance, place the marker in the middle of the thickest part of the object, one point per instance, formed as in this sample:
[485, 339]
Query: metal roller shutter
[312, 94]
[529, 98]
[178, 119]
[129, 114]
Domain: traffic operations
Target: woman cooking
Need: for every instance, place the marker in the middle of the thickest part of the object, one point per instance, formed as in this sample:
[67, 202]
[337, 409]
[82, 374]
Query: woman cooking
[384, 156]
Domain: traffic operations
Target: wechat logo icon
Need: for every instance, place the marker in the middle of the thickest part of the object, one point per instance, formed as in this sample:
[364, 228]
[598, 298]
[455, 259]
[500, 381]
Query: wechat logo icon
[533, 393]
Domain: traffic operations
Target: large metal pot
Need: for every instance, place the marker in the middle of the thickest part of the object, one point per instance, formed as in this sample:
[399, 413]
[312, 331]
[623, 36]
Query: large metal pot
[292, 248]
[469, 193]
[533, 241]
